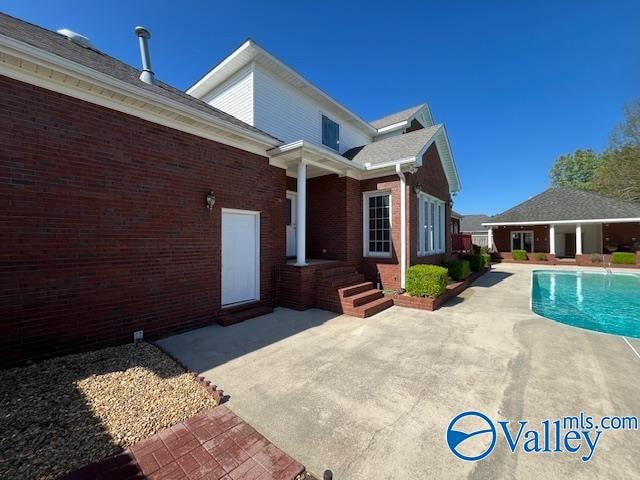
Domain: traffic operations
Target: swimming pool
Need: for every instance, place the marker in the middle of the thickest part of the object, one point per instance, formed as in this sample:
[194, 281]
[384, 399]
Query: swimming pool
[606, 302]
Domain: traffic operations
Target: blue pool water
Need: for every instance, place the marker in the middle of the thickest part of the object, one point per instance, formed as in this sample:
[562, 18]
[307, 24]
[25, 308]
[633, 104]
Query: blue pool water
[607, 303]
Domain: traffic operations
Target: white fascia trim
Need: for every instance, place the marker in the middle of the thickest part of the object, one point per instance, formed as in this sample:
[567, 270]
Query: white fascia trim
[203, 84]
[564, 222]
[392, 127]
[302, 145]
[378, 166]
[55, 62]
[458, 187]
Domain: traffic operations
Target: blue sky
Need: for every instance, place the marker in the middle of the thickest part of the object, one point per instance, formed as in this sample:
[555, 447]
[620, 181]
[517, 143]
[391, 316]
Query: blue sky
[516, 83]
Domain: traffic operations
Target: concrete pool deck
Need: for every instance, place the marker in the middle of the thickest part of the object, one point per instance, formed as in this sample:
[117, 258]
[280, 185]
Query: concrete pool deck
[372, 398]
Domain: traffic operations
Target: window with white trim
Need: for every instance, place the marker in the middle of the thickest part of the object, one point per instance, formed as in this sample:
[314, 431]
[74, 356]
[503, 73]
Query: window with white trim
[376, 209]
[431, 225]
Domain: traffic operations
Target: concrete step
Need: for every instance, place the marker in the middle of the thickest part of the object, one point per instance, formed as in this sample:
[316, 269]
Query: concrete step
[242, 314]
[354, 289]
[363, 298]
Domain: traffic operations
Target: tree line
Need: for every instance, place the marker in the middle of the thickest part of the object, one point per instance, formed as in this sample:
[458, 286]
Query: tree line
[614, 172]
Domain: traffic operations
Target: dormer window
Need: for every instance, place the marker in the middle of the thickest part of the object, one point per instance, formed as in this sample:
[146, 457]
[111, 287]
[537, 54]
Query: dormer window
[330, 133]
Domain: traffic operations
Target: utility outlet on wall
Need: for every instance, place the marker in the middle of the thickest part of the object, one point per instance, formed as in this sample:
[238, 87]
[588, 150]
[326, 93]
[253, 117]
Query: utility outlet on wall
[137, 336]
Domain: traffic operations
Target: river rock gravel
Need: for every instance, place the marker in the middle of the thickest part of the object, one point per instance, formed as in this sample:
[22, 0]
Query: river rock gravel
[60, 414]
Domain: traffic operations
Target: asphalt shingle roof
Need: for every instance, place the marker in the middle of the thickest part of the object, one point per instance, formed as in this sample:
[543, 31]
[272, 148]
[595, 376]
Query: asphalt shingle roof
[397, 117]
[473, 223]
[556, 204]
[393, 148]
[60, 45]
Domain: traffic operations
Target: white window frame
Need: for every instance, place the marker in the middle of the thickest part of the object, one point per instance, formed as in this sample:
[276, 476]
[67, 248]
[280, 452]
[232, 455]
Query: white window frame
[432, 233]
[365, 223]
[533, 239]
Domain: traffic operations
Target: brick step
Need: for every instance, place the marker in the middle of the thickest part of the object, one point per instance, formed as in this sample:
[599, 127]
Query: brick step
[342, 281]
[354, 289]
[335, 271]
[363, 298]
[369, 309]
[242, 314]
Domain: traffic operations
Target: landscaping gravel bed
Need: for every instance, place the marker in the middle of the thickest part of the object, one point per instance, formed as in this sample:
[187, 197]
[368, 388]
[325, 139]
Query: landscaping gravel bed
[61, 414]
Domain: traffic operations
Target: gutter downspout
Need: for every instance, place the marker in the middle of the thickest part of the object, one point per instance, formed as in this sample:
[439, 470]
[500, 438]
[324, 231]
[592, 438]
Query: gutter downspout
[403, 226]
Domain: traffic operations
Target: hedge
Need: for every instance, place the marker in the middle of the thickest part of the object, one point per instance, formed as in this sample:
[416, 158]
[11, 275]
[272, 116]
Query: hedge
[519, 254]
[540, 257]
[426, 280]
[459, 269]
[627, 258]
[486, 259]
[476, 262]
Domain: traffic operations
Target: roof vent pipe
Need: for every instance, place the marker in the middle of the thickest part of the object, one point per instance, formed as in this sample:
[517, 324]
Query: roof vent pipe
[147, 74]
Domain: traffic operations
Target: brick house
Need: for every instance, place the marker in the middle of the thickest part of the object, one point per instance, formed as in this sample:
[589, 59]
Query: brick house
[567, 224]
[129, 205]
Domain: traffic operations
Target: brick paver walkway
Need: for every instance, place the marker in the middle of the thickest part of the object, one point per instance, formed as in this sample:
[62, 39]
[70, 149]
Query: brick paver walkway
[213, 445]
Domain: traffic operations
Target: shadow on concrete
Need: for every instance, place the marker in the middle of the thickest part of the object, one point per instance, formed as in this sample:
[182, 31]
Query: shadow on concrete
[205, 348]
[491, 278]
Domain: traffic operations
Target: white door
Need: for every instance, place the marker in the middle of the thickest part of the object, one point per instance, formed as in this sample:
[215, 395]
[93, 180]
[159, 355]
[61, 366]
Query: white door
[240, 256]
[291, 223]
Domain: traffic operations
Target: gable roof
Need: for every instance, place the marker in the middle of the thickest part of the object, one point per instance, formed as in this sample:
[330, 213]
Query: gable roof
[57, 44]
[408, 147]
[473, 223]
[249, 52]
[397, 117]
[566, 204]
[398, 147]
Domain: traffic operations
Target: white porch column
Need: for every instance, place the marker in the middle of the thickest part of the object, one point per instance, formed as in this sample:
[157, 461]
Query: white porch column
[301, 215]
[552, 239]
[490, 239]
[578, 239]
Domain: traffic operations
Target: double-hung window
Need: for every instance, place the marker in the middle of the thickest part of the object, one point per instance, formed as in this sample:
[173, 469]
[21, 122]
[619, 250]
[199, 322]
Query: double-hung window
[330, 133]
[431, 225]
[377, 224]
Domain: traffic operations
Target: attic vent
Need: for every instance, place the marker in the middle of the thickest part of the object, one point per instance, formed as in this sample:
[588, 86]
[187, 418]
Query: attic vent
[76, 38]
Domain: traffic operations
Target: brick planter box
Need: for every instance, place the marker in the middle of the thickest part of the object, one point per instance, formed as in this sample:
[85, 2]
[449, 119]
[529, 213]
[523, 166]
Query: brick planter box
[431, 304]
[506, 258]
[585, 261]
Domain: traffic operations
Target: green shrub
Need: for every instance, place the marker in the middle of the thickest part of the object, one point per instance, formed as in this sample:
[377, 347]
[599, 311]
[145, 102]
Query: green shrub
[458, 269]
[426, 280]
[596, 258]
[540, 257]
[475, 262]
[628, 258]
[486, 260]
[484, 250]
[519, 254]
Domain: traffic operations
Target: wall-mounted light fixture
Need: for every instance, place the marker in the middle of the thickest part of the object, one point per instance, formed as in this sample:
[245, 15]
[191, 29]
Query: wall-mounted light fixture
[211, 201]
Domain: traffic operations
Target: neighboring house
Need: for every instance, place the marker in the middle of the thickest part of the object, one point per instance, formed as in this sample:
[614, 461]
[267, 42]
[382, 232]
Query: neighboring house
[132, 206]
[567, 223]
[455, 222]
[472, 225]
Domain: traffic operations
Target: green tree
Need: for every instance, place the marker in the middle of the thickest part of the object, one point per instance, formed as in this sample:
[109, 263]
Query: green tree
[619, 174]
[627, 132]
[576, 170]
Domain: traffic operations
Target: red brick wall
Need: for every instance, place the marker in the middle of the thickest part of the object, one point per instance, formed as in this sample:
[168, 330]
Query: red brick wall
[627, 234]
[431, 179]
[387, 268]
[327, 218]
[104, 225]
[502, 237]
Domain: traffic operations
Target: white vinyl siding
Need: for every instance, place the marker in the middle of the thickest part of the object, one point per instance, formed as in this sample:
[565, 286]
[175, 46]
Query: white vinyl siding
[376, 210]
[235, 96]
[431, 225]
[290, 115]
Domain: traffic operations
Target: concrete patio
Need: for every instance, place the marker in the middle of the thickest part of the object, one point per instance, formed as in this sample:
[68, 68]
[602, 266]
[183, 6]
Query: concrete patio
[372, 398]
